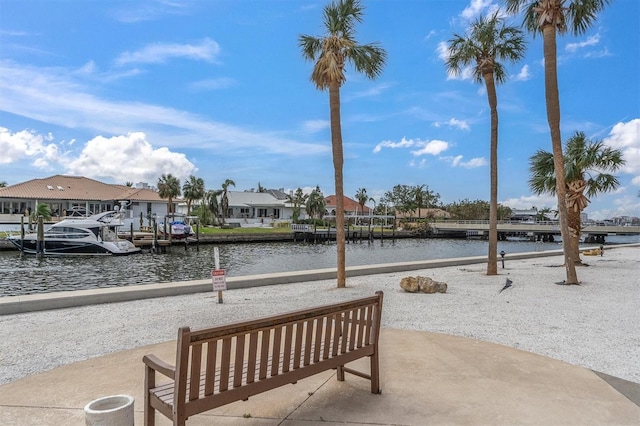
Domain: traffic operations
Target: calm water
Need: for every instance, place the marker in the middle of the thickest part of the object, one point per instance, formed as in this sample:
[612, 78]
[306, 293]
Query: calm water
[27, 274]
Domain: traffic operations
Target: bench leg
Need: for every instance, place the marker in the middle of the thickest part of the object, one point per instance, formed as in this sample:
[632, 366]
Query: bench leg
[149, 411]
[375, 373]
[340, 373]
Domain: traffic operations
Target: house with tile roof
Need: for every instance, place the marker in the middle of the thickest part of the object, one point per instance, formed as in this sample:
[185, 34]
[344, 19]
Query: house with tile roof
[68, 194]
[351, 207]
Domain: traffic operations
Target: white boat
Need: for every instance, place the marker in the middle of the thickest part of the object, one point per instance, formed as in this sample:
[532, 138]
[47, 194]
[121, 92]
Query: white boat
[94, 235]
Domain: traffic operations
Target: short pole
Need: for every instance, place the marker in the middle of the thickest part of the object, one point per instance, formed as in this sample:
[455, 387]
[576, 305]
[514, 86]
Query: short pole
[216, 257]
[502, 253]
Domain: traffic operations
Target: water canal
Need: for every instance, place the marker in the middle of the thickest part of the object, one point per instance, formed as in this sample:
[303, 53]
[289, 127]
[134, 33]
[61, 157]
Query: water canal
[21, 275]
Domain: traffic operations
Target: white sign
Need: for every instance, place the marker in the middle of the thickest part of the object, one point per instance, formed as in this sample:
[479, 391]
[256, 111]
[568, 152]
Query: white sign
[219, 278]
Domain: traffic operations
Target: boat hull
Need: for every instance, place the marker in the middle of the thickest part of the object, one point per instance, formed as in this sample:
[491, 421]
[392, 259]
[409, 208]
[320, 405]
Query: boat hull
[73, 248]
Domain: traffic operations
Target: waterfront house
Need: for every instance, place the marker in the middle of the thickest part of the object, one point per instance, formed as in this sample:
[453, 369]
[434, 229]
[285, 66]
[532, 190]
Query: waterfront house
[351, 207]
[252, 208]
[77, 195]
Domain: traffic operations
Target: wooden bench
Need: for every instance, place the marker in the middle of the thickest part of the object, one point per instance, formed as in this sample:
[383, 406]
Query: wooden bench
[220, 365]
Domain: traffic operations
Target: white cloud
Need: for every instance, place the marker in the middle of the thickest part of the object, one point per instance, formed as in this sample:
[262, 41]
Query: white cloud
[453, 122]
[443, 51]
[529, 201]
[626, 137]
[478, 7]
[404, 143]
[433, 147]
[628, 205]
[374, 91]
[54, 96]
[471, 164]
[157, 53]
[26, 145]
[524, 74]
[590, 41]
[128, 158]
[314, 126]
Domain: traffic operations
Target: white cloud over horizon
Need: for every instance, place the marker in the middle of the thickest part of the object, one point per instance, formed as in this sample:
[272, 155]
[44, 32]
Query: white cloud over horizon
[124, 153]
[457, 161]
[626, 138]
[54, 96]
[157, 53]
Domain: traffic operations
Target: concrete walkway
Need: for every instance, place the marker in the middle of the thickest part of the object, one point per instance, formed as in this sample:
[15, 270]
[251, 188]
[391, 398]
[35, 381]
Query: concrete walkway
[426, 378]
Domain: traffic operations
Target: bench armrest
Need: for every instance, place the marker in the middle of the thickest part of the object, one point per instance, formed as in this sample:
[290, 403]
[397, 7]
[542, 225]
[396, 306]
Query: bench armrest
[159, 365]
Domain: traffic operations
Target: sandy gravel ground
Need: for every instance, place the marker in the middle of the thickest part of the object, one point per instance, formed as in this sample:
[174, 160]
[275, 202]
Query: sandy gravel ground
[595, 325]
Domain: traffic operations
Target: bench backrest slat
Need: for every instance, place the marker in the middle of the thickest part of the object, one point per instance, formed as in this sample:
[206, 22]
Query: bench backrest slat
[275, 351]
[225, 363]
[288, 342]
[297, 353]
[264, 354]
[196, 357]
[307, 342]
[253, 354]
[238, 361]
[210, 375]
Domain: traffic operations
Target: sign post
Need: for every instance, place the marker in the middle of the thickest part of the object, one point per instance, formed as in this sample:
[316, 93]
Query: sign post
[218, 276]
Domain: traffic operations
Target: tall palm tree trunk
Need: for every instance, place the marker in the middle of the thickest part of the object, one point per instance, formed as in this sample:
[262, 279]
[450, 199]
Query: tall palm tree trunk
[492, 264]
[338, 161]
[574, 222]
[553, 117]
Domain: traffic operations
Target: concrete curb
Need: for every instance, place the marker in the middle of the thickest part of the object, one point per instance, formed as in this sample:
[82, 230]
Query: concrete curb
[66, 299]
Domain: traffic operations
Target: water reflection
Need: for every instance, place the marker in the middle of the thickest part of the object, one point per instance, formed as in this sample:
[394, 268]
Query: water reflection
[26, 275]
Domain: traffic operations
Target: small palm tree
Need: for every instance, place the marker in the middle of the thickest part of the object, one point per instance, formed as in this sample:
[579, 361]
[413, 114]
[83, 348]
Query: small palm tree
[488, 42]
[552, 17]
[587, 165]
[225, 198]
[297, 200]
[330, 53]
[362, 198]
[41, 210]
[169, 188]
[315, 203]
[210, 200]
[193, 189]
[3, 184]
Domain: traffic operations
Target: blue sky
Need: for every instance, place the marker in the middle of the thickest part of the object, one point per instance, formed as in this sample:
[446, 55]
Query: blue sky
[127, 90]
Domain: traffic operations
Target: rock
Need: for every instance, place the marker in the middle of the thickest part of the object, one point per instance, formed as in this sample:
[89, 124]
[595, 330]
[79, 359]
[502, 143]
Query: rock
[410, 284]
[423, 284]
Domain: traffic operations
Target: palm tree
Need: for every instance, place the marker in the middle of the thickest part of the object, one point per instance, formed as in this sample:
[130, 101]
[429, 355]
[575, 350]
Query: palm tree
[128, 184]
[552, 17]
[488, 42]
[586, 164]
[315, 203]
[225, 198]
[330, 53]
[3, 184]
[210, 199]
[169, 187]
[41, 210]
[362, 198]
[193, 189]
[297, 200]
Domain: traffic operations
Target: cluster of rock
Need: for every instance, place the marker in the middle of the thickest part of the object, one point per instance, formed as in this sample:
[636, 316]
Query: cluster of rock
[423, 284]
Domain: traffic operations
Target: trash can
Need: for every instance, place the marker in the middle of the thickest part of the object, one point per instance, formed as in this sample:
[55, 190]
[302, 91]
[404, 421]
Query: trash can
[115, 410]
